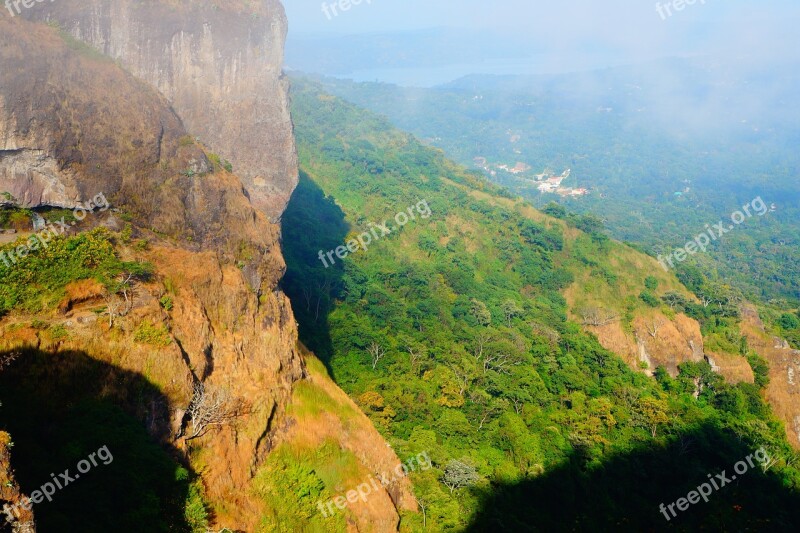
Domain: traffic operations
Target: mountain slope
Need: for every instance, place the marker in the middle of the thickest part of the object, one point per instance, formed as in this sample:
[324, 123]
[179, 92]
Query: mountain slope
[454, 334]
[657, 174]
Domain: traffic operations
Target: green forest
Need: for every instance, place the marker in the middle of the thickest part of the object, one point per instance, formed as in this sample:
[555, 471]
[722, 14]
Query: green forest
[452, 334]
[656, 181]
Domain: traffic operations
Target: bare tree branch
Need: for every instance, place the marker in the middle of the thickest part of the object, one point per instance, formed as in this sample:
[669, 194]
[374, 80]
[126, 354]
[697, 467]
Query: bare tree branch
[595, 316]
[653, 326]
[377, 352]
[211, 408]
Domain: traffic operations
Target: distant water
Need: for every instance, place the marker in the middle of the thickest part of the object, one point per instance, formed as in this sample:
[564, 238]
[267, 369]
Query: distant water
[432, 76]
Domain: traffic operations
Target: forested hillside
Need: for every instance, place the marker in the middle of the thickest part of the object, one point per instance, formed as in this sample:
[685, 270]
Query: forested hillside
[452, 334]
[656, 177]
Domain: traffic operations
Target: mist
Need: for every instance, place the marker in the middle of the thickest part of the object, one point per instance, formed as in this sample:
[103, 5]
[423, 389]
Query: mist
[705, 69]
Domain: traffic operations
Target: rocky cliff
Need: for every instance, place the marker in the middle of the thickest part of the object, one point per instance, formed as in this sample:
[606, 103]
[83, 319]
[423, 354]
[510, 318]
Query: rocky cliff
[219, 66]
[15, 512]
[96, 129]
[783, 391]
[74, 124]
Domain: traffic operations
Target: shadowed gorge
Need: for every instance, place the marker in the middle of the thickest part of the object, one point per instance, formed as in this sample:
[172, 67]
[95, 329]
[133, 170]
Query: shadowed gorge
[312, 223]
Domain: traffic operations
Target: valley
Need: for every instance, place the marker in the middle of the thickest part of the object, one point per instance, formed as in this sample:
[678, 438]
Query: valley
[240, 296]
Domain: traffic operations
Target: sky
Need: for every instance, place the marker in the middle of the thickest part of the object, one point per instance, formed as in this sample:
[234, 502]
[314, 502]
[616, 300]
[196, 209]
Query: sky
[635, 29]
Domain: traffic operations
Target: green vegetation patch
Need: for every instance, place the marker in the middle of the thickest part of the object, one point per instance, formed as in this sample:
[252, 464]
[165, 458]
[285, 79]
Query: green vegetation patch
[36, 282]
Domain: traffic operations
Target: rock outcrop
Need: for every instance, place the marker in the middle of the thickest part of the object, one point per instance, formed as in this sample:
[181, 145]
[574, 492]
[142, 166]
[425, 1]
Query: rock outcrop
[219, 64]
[74, 124]
[100, 130]
[783, 391]
[15, 506]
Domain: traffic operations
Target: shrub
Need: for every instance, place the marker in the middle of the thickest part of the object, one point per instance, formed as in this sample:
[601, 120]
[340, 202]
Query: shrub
[789, 321]
[650, 299]
[149, 333]
[37, 281]
[166, 303]
[651, 283]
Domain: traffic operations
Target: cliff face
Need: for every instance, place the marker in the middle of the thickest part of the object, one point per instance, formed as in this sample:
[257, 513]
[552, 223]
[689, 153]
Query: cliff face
[96, 129]
[783, 391]
[15, 510]
[74, 124]
[217, 63]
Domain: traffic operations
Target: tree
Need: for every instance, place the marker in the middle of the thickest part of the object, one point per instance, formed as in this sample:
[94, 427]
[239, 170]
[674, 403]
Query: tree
[463, 377]
[653, 326]
[458, 475]
[119, 301]
[480, 312]
[377, 352]
[595, 316]
[769, 462]
[674, 300]
[210, 408]
[499, 362]
[653, 413]
[510, 310]
[415, 355]
[423, 505]
[488, 406]
[7, 359]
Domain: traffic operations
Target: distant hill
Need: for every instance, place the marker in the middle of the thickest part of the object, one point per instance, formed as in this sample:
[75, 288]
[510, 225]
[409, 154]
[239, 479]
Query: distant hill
[665, 148]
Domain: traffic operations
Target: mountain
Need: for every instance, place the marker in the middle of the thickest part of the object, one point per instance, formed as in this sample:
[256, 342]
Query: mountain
[421, 49]
[542, 365]
[218, 313]
[146, 318]
[663, 149]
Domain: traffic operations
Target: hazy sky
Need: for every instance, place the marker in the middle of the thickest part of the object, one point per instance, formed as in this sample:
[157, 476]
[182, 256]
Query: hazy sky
[765, 28]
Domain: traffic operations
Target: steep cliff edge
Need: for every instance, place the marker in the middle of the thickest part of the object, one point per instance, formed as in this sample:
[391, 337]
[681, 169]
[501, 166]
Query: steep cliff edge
[219, 64]
[783, 391]
[74, 125]
[19, 519]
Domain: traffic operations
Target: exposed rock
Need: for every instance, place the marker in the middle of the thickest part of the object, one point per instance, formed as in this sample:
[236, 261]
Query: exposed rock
[781, 344]
[106, 132]
[714, 367]
[16, 508]
[89, 127]
[796, 426]
[644, 356]
[783, 391]
[220, 66]
[32, 176]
